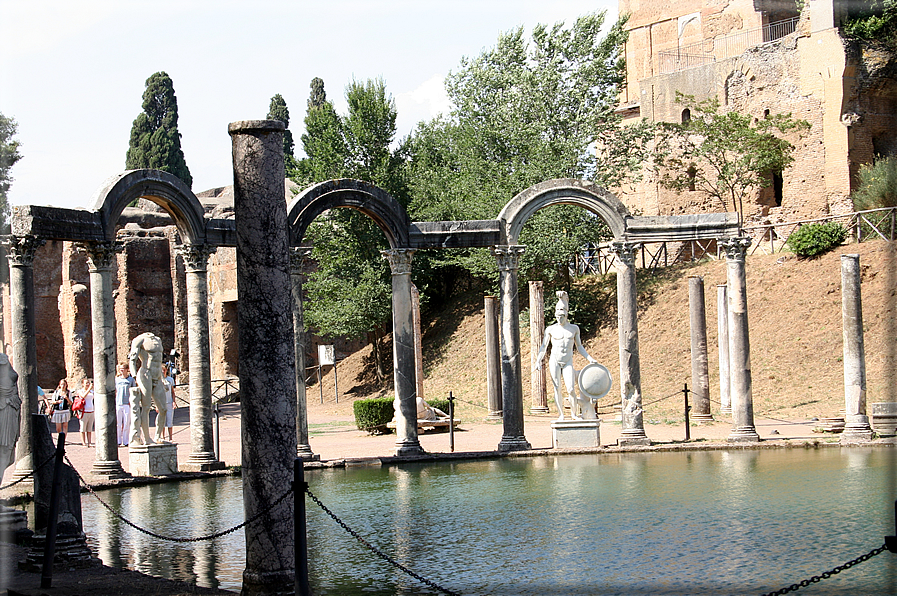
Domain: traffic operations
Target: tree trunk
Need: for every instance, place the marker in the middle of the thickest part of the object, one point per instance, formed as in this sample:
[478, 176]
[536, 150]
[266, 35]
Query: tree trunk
[374, 338]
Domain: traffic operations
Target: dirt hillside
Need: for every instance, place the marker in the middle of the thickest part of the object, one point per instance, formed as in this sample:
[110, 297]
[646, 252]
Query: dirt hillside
[794, 312]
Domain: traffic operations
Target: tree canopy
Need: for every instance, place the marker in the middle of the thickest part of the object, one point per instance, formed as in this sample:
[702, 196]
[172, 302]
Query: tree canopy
[278, 110]
[9, 155]
[155, 141]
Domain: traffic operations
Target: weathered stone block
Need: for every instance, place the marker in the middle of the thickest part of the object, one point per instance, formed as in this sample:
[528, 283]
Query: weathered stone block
[160, 459]
[575, 434]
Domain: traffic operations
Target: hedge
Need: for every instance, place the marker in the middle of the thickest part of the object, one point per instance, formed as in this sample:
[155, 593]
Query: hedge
[373, 415]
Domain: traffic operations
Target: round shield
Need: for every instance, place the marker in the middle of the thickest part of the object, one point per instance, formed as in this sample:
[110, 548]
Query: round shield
[595, 381]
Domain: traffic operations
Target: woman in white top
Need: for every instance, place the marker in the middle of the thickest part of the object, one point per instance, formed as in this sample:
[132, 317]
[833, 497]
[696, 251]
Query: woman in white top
[86, 418]
[61, 402]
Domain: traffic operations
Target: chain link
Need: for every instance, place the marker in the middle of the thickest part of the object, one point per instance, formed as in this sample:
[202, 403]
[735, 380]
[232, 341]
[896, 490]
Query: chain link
[828, 574]
[375, 550]
[31, 473]
[170, 538]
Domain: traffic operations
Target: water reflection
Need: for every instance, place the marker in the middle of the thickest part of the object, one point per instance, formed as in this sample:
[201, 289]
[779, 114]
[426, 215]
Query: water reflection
[716, 522]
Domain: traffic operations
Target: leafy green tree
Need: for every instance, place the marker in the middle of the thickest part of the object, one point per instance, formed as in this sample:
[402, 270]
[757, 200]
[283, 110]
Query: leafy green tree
[873, 20]
[278, 110]
[155, 141]
[524, 112]
[726, 155]
[9, 155]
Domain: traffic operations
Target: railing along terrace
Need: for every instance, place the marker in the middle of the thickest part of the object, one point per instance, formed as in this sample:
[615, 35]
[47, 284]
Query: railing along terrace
[720, 48]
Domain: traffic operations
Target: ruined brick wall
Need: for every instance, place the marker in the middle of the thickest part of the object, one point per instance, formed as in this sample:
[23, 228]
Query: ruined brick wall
[74, 314]
[222, 275]
[50, 342]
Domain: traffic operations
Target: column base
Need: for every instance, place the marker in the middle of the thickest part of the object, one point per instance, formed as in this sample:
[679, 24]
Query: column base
[701, 417]
[725, 410]
[268, 582]
[633, 439]
[743, 434]
[202, 462]
[404, 448]
[109, 469]
[494, 416]
[305, 453]
[539, 410]
[514, 444]
[856, 429]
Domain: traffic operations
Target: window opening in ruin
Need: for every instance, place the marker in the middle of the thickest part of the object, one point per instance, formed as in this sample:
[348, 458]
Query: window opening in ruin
[766, 114]
[686, 116]
[778, 184]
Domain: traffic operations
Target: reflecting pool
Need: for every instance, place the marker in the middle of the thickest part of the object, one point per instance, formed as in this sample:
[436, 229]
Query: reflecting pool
[714, 522]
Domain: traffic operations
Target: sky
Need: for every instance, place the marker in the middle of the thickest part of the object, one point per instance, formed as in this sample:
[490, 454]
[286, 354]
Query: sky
[72, 73]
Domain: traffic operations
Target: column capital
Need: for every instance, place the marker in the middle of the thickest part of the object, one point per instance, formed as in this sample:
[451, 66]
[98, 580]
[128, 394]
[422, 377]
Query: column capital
[196, 256]
[399, 259]
[508, 256]
[624, 251]
[21, 249]
[736, 248]
[299, 257]
[101, 255]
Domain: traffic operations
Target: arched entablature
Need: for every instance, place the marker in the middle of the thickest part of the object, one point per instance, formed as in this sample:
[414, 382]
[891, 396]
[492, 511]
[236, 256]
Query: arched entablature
[162, 188]
[563, 191]
[371, 200]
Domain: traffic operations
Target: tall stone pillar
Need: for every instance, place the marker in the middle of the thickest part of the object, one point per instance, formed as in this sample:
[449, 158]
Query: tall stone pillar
[418, 343]
[407, 442]
[493, 359]
[633, 424]
[700, 374]
[20, 253]
[267, 361]
[202, 447]
[511, 383]
[299, 256]
[100, 266]
[743, 430]
[722, 330]
[536, 335]
[856, 427]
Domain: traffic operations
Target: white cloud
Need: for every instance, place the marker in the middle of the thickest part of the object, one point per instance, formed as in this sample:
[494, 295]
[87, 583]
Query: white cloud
[425, 102]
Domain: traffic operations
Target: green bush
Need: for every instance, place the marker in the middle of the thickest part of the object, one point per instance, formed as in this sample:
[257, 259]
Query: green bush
[373, 415]
[439, 404]
[815, 239]
[877, 186]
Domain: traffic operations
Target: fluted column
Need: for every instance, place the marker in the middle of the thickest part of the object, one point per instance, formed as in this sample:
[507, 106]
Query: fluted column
[512, 439]
[407, 442]
[536, 335]
[700, 374]
[20, 253]
[493, 359]
[722, 328]
[202, 447]
[743, 430]
[856, 426]
[299, 256]
[101, 265]
[633, 424]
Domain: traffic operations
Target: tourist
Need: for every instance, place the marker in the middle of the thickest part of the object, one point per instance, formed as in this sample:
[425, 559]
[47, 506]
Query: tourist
[170, 402]
[61, 404]
[86, 415]
[123, 383]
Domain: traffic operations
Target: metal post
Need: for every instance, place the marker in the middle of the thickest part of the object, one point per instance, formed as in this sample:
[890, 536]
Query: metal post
[46, 578]
[451, 422]
[687, 408]
[301, 538]
[321, 382]
[335, 386]
[217, 432]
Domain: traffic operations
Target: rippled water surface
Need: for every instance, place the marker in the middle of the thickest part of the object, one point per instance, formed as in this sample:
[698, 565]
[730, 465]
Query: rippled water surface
[719, 522]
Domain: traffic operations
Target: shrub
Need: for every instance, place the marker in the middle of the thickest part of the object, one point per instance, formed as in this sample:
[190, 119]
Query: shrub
[815, 239]
[878, 185]
[439, 404]
[373, 415]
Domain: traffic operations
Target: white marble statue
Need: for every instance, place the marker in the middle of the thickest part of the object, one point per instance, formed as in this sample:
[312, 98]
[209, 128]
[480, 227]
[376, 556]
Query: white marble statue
[563, 337]
[10, 406]
[151, 388]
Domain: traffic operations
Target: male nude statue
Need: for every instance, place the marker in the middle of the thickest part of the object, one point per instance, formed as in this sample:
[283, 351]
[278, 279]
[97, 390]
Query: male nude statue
[563, 337]
[150, 388]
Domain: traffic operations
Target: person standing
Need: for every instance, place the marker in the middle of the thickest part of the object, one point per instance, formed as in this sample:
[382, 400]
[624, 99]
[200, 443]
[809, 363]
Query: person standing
[62, 406]
[169, 400]
[123, 384]
[86, 415]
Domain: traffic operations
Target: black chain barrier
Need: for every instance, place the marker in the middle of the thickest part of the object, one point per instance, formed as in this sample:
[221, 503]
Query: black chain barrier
[170, 538]
[828, 574]
[375, 550]
[29, 474]
[470, 402]
[662, 398]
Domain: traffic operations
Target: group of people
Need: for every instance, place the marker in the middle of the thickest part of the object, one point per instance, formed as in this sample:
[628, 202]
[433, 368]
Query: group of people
[61, 404]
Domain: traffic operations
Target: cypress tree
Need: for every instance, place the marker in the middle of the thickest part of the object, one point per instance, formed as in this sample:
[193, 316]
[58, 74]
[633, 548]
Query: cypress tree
[155, 140]
[9, 155]
[278, 111]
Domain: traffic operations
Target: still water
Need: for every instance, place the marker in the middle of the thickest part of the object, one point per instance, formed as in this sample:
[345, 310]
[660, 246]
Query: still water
[720, 522]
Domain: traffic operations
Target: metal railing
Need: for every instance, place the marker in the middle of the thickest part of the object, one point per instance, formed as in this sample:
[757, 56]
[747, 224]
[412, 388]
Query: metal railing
[722, 47]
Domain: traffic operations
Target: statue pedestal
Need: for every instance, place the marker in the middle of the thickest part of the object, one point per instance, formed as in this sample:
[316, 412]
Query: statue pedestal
[159, 459]
[575, 434]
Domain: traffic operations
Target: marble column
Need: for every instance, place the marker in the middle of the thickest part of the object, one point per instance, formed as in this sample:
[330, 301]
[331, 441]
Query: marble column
[20, 254]
[101, 265]
[856, 427]
[633, 424]
[267, 360]
[743, 430]
[700, 374]
[299, 257]
[536, 335]
[512, 438]
[493, 359]
[407, 442]
[202, 446]
[722, 330]
[418, 343]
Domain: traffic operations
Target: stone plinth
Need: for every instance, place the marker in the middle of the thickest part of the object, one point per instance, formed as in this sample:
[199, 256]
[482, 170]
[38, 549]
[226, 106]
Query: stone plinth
[159, 459]
[884, 418]
[575, 434]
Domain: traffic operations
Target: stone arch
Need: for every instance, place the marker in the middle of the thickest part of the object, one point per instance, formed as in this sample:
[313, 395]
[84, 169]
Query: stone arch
[164, 189]
[562, 191]
[371, 200]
